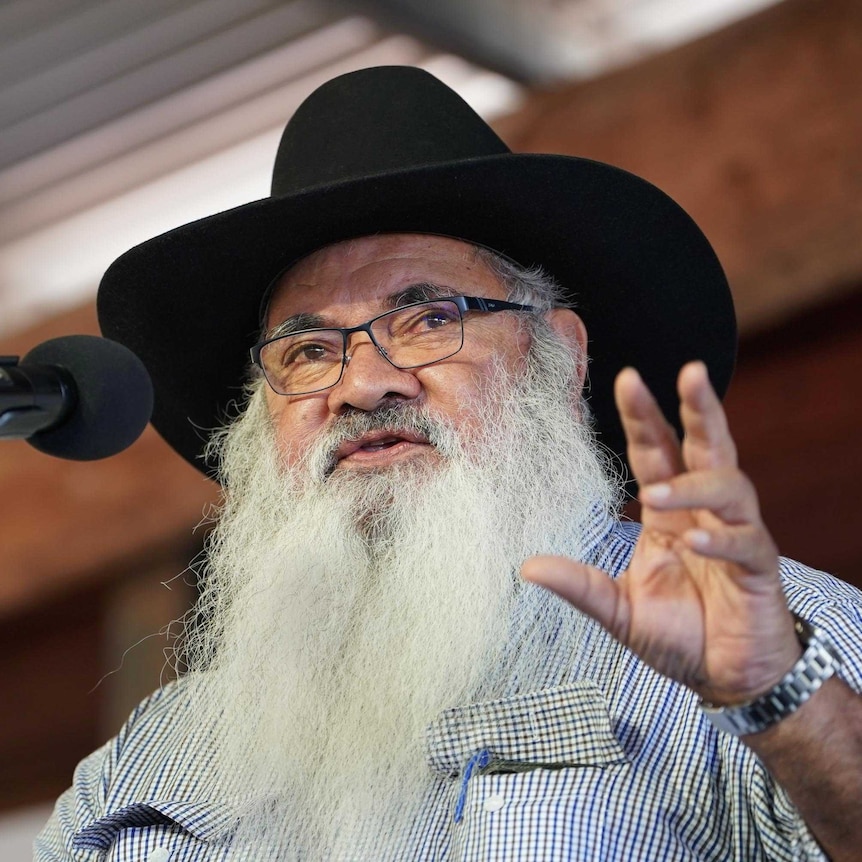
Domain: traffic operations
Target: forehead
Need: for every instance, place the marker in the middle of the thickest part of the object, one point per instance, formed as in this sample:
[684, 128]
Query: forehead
[364, 273]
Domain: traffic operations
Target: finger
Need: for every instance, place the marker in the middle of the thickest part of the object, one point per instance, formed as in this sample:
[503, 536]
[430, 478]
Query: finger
[727, 493]
[589, 589]
[653, 447]
[729, 526]
[708, 442]
[749, 546]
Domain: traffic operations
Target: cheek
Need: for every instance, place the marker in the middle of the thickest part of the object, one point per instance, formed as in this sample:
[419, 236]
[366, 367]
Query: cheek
[296, 423]
[459, 391]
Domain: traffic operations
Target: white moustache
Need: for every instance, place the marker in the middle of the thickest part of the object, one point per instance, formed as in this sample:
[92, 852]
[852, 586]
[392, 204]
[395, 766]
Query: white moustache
[401, 420]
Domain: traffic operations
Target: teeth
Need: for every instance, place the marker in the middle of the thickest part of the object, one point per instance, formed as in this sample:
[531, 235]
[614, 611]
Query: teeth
[381, 444]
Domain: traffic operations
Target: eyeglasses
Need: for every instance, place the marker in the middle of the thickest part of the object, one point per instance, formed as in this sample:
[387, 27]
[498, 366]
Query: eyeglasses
[411, 336]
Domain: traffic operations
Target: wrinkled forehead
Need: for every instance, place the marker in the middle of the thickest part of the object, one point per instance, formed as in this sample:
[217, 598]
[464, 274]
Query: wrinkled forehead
[369, 271]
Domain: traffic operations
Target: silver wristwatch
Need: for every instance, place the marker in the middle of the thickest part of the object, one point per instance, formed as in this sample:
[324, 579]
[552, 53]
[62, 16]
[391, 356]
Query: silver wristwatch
[819, 661]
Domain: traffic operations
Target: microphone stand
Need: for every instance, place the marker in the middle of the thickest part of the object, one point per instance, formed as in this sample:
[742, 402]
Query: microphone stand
[32, 402]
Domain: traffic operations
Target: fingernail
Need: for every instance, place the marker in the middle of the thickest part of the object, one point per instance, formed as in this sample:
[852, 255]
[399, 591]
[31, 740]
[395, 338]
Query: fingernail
[656, 493]
[699, 538]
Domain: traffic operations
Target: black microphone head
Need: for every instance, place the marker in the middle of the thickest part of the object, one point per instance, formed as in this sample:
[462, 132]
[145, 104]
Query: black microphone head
[114, 391]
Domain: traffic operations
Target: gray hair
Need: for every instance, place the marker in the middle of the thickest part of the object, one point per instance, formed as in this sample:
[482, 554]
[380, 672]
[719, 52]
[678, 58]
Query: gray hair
[525, 285]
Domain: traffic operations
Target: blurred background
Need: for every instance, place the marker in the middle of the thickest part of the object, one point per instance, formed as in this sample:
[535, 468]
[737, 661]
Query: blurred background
[121, 119]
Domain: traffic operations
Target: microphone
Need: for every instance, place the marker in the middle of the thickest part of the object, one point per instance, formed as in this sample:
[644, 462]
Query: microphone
[79, 396]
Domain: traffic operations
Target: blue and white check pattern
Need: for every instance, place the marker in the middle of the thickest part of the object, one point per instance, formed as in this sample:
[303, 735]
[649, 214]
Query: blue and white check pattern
[603, 759]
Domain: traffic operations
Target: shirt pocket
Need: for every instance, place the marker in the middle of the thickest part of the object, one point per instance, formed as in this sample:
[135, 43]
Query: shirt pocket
[183, 831]
[528, 771]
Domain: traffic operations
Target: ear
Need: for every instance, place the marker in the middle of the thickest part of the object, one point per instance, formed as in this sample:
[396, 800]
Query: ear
[570, 328]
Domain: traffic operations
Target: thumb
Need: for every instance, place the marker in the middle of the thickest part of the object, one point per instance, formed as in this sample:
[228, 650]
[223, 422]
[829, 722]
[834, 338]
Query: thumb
[587, 588]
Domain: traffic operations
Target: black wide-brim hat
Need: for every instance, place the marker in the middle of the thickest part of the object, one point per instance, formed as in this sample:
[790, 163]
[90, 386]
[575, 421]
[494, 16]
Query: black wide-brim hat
[393, 150]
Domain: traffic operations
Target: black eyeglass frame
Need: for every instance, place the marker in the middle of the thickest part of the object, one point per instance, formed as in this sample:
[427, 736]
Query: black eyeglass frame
[462, 303]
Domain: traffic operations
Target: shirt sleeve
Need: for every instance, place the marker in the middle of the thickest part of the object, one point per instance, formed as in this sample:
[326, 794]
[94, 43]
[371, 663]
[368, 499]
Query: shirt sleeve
[82, 803]
[86, 800]
[835, 607]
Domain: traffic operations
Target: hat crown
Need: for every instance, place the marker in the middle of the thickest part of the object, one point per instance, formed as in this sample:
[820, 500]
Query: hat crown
[377, 121]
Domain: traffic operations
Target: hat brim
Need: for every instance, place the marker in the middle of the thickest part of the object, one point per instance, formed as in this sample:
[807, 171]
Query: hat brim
[633, 264]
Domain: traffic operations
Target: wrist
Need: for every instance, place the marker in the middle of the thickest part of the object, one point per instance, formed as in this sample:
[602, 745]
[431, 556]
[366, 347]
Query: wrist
[819, 661]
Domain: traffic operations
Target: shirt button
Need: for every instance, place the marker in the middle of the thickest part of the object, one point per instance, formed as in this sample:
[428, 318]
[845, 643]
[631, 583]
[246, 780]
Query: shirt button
[160, 854]
[494, 803]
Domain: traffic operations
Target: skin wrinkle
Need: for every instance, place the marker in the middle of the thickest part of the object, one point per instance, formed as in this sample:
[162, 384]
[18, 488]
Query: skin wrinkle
[412, 293]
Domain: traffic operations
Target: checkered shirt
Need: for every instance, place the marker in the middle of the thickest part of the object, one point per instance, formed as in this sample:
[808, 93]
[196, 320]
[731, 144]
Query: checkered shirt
[601, 759]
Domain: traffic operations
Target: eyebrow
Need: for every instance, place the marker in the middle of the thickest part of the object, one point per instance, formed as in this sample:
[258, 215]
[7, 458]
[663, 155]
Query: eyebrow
[421, 291]
[295, 323]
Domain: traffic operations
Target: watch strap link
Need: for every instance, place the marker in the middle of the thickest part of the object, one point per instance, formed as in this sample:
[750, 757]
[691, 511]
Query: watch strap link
[818, 662]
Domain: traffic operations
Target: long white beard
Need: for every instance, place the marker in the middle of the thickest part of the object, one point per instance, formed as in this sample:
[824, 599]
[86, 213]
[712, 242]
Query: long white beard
[346, 611]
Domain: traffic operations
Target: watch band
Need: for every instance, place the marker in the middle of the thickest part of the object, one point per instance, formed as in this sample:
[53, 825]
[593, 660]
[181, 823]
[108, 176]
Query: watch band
[819, 662]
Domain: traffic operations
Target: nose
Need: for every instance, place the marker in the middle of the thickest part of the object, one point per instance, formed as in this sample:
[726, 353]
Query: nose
[369, 379]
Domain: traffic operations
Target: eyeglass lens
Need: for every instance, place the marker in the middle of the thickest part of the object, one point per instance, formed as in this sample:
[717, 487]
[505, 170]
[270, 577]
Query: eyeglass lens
[408, 337]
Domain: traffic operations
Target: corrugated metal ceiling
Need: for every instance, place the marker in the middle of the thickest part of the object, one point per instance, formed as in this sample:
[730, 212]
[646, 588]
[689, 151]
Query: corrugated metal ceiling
[121, 119]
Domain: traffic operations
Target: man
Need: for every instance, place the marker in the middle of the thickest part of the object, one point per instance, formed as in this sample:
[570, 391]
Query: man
[372, 680]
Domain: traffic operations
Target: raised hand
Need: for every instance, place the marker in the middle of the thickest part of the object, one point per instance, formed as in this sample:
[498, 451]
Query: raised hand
[702, 600]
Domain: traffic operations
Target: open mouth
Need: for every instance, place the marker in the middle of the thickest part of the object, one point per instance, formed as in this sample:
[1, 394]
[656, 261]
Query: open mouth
[380, 446]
